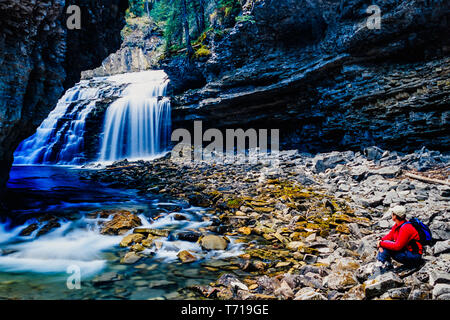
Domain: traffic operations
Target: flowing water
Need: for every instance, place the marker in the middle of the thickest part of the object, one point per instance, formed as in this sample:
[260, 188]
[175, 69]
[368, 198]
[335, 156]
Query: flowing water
[38, 267]
[136, 124]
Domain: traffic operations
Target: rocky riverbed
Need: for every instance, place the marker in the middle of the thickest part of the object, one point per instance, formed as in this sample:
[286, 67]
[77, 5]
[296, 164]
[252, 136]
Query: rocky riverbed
[309, 224]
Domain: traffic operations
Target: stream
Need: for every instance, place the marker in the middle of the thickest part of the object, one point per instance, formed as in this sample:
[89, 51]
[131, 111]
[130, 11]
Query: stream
[40, 267]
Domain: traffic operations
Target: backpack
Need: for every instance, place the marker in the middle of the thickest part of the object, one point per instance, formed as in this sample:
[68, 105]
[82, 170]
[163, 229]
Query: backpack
[424, 231]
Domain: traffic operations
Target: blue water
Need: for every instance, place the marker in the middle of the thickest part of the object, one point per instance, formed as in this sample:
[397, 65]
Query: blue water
[36, 267]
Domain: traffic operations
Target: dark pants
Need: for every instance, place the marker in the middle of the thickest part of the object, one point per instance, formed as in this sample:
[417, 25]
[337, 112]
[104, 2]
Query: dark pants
[405, 257]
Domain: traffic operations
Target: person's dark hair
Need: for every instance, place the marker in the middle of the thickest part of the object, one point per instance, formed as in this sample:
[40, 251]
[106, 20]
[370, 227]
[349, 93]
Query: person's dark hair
[399, 218]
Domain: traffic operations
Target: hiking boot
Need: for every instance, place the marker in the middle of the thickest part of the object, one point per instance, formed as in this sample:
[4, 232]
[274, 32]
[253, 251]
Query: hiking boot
[387, 266]
[406, 270]
[380, 268]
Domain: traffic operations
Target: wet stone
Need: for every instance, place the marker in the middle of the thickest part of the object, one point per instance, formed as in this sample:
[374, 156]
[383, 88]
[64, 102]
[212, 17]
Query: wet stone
[213, 242]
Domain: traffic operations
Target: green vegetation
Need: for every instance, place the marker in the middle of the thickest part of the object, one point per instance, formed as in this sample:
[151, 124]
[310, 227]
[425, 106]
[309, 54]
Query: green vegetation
[187, 24]
[245, 18]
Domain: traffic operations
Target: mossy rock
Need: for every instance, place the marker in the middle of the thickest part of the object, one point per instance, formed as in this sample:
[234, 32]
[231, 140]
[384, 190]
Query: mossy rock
[234, 203]
[343, 229]
[339, 218]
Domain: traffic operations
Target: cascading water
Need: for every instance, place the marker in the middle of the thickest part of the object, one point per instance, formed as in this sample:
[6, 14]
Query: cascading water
[136, 124]
[59, 139]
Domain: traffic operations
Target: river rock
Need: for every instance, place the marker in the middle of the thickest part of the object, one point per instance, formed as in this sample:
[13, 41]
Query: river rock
[137, 247]
[179, 217]
[130, 258]
[327, 161]
[435, 277]
[49, 226]
[152, 232]
[340, 280]
[441, 247]
[213, 242]
[419, 294]
[381, 284]
[28, 230]
[106, 277]
[186, 256]
[308, 294]
[440, 290]
[131, 238]
[397, 293]
[284, 290]
[190, 236]
[121, 222]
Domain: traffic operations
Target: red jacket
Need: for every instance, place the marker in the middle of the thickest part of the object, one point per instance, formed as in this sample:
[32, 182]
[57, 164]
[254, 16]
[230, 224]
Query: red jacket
[402, 236]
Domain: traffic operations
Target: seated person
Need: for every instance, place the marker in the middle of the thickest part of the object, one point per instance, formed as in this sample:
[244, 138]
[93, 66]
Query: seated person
[401, 243]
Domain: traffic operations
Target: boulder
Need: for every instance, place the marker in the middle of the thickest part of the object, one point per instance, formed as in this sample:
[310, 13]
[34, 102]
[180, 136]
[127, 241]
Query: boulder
[340, 280]
[373, 153]
[397, 293]
[121, 222]
[382, 283]
[435, 277]
[29, 230]
[308, 294]
[387, 172]
[441, 289]
[49, 226]
[152, 232]
[190, 236]
[441, 246]
[130, 239]
[130, 258]
[329, 161]
[346, 264]
[213, 242]
[186, 257]
[106, 277]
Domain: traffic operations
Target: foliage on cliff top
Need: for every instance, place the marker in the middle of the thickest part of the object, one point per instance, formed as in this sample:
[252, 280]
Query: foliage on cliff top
[201, 16]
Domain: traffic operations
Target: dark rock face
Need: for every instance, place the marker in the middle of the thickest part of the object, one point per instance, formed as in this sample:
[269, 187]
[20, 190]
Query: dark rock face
[319, 74]
[141, 50]
[40, 57]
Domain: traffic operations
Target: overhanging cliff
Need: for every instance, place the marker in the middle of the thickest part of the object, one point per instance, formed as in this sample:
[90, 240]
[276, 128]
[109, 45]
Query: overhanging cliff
[316, 71]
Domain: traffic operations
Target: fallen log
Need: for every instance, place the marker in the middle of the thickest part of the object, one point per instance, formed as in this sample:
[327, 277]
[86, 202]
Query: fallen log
[425, 179]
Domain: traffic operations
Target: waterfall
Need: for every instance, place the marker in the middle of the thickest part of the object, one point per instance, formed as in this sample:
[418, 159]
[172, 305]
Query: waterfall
[136, 124]
[59, 139]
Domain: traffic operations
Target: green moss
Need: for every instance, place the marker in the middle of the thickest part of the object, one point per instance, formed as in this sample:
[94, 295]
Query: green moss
[246, 18]
[234, 203]
[203, 51]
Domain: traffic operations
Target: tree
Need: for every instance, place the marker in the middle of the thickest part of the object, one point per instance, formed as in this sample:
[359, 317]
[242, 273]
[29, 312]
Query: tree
[177, 17]
[136, 7]
[187, 36]
[147, 8]
[199, 9]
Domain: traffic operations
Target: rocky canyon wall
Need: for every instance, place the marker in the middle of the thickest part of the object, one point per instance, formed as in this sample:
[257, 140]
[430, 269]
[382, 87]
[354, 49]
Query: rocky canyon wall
[316, 71]
[40, 57]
